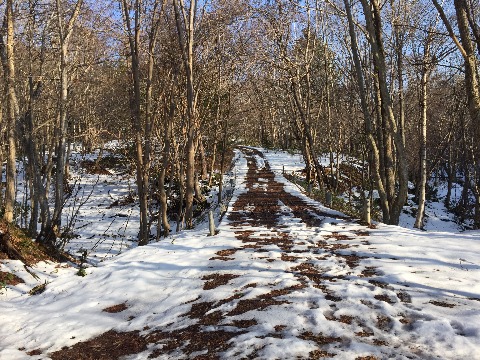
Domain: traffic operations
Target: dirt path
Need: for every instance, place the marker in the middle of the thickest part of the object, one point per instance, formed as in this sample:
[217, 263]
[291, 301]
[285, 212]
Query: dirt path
[277, 299]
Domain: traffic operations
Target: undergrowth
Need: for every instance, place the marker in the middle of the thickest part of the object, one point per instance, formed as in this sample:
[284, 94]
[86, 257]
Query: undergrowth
[352, 208]
[30, 250]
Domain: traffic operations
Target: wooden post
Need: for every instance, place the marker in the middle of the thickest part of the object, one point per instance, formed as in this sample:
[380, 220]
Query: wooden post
[366, 211]
[211, 223]
[220, 190]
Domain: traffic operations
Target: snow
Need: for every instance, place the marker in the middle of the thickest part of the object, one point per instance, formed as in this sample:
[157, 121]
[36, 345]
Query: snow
[159, 282]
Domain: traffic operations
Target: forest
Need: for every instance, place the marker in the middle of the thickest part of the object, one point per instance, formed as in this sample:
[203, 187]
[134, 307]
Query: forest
[239, 179]
[393, 84]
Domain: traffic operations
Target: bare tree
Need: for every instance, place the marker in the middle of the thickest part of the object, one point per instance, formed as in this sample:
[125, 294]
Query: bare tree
[426, 70]
[133, 31]
[8, 62]
[64, 30]
[185, 22]
[472, 86]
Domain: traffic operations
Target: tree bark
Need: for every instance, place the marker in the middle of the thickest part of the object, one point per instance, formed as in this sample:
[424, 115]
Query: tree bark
[375, 162]
[135, 111]
[64, 35]
[471, 72]
[8, 62]
[185, 31]
[374, 27]
[450, 170]
[423, 137]
[161, 176]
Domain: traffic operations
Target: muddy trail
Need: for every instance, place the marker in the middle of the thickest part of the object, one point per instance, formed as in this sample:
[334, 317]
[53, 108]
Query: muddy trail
[275, 288]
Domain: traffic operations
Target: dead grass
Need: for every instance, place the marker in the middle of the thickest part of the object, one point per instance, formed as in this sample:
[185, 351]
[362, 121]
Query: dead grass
[227, 252]
[116, 308]
[216, 280]
[369, 271]
[441, 304]
[320, 339]
[109, 346]
[32, 252]
[9, 278]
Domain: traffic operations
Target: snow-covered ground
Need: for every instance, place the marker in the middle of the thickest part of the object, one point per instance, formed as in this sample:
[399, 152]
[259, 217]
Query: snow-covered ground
[414, 294]
[101, 212]
[437, 217]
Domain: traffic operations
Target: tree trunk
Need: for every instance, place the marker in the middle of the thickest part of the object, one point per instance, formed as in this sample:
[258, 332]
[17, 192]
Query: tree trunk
[161, 177]
[1, 162]
[450, 170]
[383, 138]
[135, 110]
[198, 191]
[181, 209]
[64, 34]
[423, 136]
[423, 155]
[476, 194]
[471, 72]
[190, 180]
[222, 160]
[375, 160]
[401, 100]
[32, 153]
[8, 61]
[212, 160]
[203, 160]
[161, 184]
[374, 27]
[217, 123]
[307, 132]
[185, 30]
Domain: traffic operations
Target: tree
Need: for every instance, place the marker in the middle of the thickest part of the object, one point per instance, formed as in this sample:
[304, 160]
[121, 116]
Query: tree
[8, 63]
[64, 32]
[466, 47]
[425, 73]
[185, 23]
[387, 146]
[133, 33]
